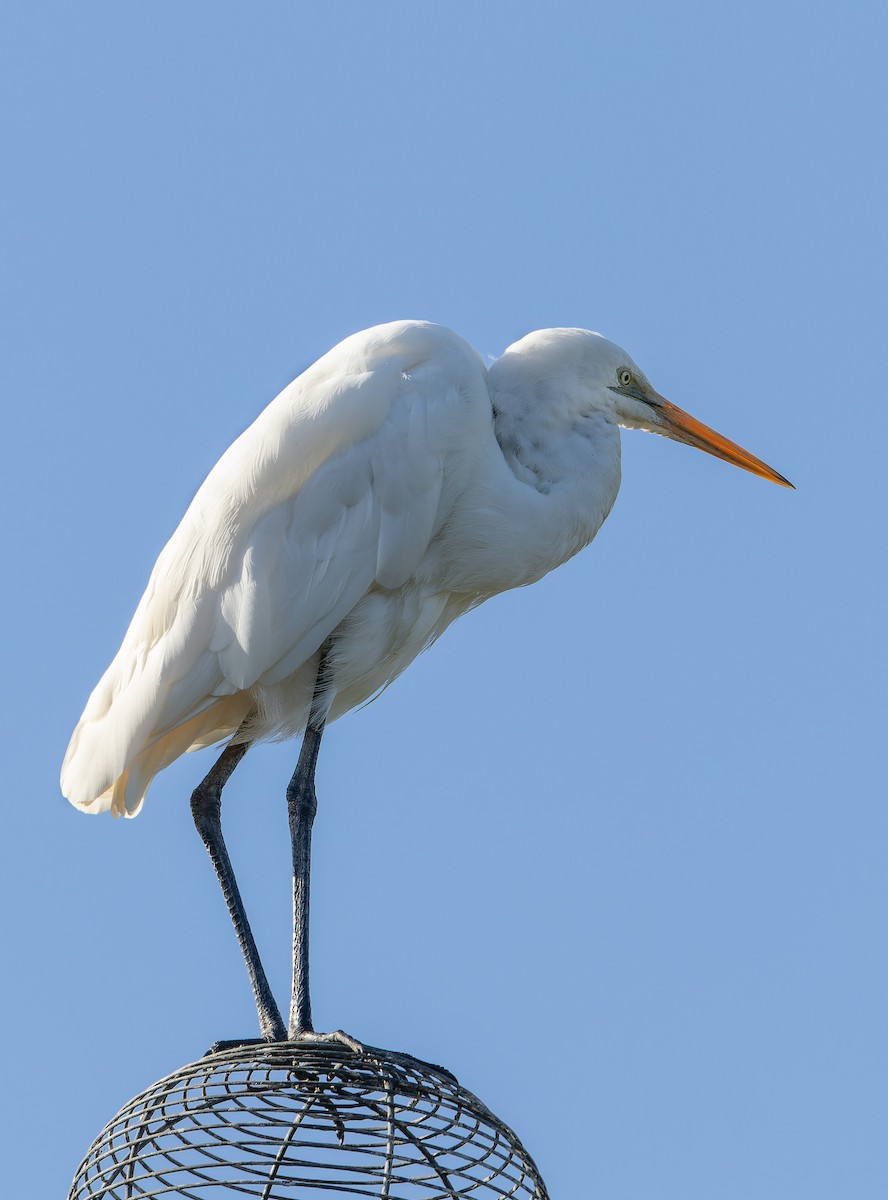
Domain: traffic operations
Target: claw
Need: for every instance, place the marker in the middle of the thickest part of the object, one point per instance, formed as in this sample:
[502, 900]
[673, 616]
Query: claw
[338, 1035]
[305, 1035]
[235, 1044]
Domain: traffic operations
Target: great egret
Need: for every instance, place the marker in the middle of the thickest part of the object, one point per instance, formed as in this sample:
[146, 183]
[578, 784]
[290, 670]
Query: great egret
[393, 486]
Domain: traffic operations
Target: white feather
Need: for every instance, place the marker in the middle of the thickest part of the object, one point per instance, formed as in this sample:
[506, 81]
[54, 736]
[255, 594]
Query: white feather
[390, 488]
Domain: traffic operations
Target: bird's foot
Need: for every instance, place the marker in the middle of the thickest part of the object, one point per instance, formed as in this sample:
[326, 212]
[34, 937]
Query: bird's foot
[304, 1035]
[338, 1035]
[236, 1043]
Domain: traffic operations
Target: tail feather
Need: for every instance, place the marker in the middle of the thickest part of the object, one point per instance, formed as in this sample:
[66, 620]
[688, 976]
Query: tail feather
[109, 767]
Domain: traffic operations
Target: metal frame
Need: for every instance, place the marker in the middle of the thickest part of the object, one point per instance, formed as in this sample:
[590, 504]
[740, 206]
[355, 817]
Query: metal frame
[286, 1120]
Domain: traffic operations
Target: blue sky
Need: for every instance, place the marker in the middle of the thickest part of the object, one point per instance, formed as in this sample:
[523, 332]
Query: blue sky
[614, 850]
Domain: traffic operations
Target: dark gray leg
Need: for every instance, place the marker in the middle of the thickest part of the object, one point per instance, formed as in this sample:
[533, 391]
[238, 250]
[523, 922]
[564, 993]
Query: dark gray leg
[302, 804]
[206, 808]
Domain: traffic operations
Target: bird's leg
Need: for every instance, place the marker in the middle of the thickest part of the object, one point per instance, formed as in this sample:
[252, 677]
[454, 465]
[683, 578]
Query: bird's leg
[302, 804]
[206, 808]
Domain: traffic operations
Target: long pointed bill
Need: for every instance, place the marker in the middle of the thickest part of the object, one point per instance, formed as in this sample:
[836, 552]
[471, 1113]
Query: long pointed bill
[682, 427]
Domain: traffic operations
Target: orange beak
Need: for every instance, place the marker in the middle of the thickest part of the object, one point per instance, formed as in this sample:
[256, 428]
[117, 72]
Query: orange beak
[682, 427]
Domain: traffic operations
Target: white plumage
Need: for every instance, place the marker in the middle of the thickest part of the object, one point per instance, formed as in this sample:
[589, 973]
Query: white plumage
[391, 487]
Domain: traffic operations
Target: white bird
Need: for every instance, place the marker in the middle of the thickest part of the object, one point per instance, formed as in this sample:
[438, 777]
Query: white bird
[393, 486]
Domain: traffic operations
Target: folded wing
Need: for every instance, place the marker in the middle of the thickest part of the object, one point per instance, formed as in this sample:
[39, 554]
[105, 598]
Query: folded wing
[338, 486]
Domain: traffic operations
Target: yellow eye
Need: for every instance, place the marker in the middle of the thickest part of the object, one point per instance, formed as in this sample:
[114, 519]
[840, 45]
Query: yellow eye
[624, 375]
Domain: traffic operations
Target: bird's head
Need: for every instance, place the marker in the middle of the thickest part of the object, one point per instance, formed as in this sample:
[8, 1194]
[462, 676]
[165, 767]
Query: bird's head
[601, 377]
[636, 405]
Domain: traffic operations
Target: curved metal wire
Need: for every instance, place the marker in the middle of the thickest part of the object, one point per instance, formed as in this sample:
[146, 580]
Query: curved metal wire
[286, 1120]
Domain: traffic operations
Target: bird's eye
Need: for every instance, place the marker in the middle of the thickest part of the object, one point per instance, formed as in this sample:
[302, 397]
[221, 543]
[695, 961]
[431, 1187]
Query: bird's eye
[624, 375]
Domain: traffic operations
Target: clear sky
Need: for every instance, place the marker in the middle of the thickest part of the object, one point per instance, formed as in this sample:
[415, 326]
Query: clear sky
[614, 851]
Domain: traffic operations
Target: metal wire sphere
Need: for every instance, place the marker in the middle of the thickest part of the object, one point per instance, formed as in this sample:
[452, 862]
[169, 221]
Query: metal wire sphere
[287, 1120]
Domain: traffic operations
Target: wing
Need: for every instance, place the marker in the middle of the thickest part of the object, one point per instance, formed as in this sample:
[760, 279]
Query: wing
[339, 485]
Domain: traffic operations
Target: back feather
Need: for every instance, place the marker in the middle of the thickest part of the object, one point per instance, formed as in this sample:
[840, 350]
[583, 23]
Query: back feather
[335, 488]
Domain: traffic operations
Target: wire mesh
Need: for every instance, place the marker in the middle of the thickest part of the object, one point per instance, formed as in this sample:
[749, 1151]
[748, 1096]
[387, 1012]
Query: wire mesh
[309, 1119]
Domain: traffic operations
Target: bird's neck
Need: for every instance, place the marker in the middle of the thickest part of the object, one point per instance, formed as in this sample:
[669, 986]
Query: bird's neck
[542, 494]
